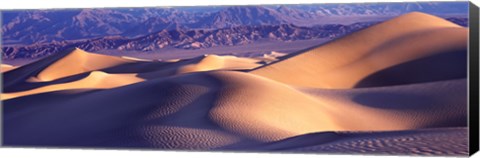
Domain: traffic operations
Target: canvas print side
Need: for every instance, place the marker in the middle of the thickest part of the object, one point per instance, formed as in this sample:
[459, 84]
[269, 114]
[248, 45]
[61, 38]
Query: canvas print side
[366, 78]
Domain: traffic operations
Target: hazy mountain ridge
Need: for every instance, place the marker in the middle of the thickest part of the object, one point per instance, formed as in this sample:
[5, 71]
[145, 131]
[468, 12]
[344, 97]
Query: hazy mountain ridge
[43, 26]
[193, 39]
[384, 8]
[189, 39]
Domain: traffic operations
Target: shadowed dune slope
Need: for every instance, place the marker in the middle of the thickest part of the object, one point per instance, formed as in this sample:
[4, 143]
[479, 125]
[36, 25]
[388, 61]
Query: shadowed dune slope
[223, 105]
[427, 142]
[443, 141]
[345, 62]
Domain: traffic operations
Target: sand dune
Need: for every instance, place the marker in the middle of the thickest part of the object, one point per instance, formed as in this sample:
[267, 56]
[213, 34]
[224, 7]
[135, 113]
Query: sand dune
[84, 62]
[223, 101]
[63, 64]
[95, 80]
[215, 62]
[428, 142]
[271, 57]
[394, 83]
[137, 111]
[345, 62]
[42, 80]
[297, 113]
[201, 64]
[6, 68]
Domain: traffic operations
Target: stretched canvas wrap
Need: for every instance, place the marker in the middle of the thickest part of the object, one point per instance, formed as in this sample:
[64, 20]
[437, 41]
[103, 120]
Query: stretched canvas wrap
[355, 78]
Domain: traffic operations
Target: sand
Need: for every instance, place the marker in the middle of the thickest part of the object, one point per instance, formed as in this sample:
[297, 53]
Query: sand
[375, 91]
[345, 62]
[426, 142]
[84, 62]
[95, 80]
[5, 68]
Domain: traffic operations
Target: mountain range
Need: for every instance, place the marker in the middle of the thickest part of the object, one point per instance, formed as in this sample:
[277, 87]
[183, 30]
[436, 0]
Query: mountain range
[188, 39]
[35, 33]
[33, 26]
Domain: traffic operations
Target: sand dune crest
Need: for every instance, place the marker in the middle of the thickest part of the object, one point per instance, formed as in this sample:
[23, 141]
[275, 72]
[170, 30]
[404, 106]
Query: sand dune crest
[95, 80]
[79, 61]
[346, 61]
[215, 62]
[6, 68]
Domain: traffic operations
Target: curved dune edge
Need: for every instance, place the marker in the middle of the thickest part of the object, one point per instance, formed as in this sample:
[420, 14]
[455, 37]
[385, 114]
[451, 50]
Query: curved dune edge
[5, 68]
[207, 62]
[101, 64]
[428, 142]
[299, 113]
[95, 80]
[342, 63]
[214, 62]
[84, 62]
[271, 57]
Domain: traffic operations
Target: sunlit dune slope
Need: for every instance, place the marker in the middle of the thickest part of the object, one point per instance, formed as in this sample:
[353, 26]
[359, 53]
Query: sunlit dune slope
[223, 101]
[67, 63]
[79, 61]
[95, 80]
[215, 62]
[201, 63]
[257, 106]
[6, 68]
[398, 46]
[31, 78]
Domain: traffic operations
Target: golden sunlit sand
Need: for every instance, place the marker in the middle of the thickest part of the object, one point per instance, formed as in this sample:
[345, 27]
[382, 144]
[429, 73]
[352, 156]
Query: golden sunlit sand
[344, 62]
[6, 67]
